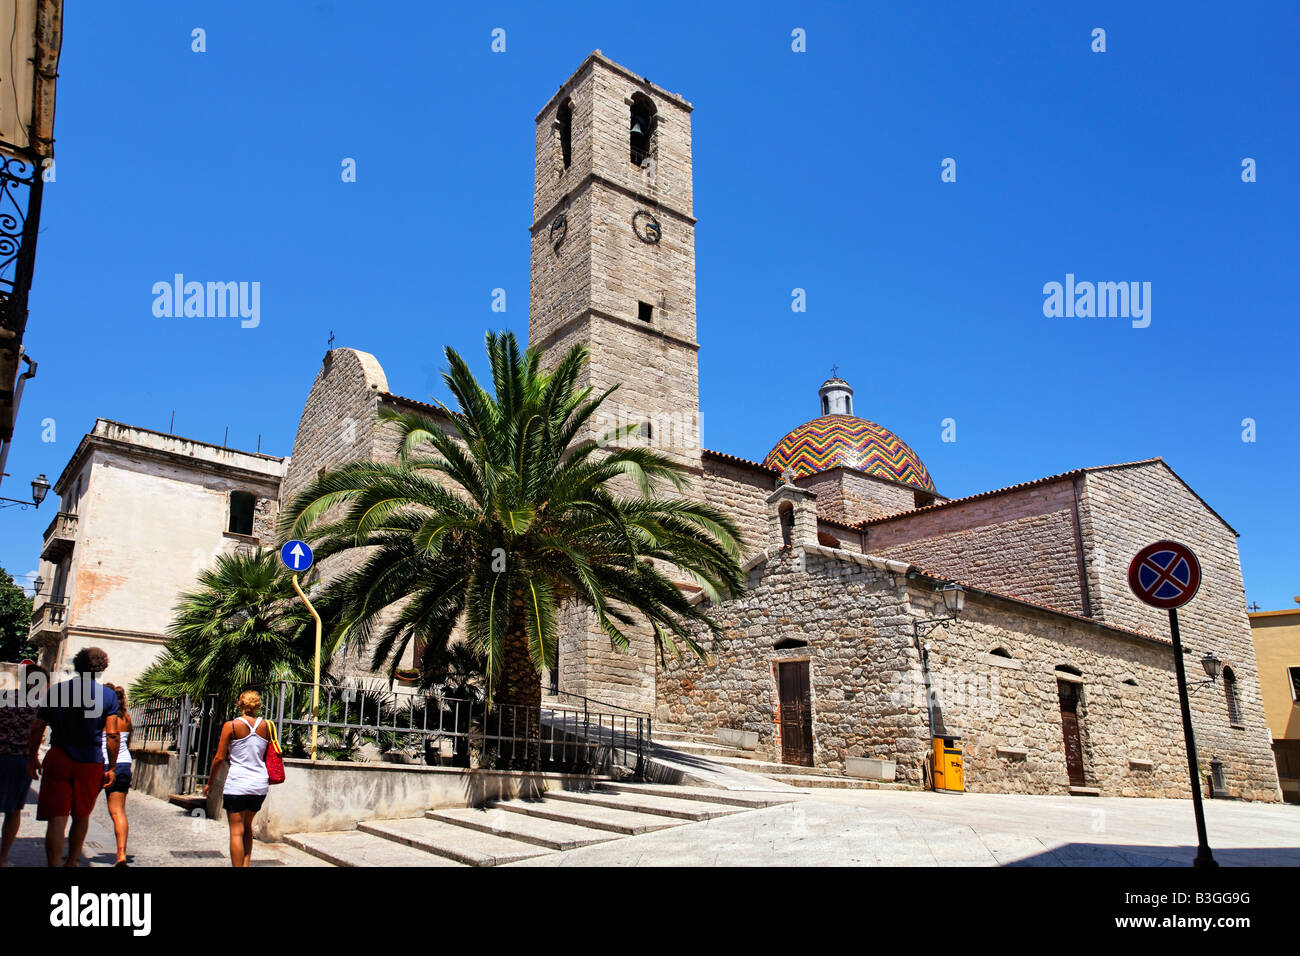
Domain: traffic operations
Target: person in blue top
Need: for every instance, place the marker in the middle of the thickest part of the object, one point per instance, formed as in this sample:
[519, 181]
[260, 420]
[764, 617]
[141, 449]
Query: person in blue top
[82, 758]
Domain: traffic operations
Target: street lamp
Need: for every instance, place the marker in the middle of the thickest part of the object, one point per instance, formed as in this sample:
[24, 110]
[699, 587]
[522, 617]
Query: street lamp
[1213, 666]
[40, 487]
[38, 584]
[954, 602]
[954, 598]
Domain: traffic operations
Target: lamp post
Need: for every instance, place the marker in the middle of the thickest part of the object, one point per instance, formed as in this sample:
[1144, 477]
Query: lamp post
[954, 602]
[40, 488]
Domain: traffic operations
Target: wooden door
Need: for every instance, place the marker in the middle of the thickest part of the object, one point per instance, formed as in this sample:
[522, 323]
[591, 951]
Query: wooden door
[796, 713]
[1069, 694]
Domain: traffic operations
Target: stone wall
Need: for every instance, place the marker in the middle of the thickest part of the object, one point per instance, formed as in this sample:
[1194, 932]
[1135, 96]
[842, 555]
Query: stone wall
[1007, 708]
[853, 617]
[854, 620]
[338, 423]
[1123, 509]
[1023, 542]
[741, 491]
[850, 496]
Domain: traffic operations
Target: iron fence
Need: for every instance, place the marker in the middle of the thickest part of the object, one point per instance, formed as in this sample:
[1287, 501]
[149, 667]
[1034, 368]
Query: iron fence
[357, 723]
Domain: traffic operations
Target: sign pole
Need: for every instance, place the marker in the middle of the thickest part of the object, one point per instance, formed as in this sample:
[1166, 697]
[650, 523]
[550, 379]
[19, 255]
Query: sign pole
[1166, 575]
[315, 687]
[1203, 855]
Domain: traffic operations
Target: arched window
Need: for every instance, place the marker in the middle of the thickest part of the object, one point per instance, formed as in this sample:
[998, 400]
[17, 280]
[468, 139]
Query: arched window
[826, 404]
[564, 122]
[641, 129]
[848, 404]
[1068, 669]
[1230, 692]
[1000, 652]
[789, 643]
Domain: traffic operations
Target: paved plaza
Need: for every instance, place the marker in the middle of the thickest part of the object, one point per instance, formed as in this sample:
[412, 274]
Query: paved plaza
[819, 828]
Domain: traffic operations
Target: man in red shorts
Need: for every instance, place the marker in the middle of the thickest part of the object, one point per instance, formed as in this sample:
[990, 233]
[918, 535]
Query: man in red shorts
[74, 771]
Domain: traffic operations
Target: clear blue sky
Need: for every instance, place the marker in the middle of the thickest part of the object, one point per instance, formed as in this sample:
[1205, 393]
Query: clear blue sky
[817, 170]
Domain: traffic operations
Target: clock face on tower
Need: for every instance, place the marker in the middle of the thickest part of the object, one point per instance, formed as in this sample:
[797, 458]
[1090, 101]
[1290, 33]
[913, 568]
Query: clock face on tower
[646, 227]
[559, 226]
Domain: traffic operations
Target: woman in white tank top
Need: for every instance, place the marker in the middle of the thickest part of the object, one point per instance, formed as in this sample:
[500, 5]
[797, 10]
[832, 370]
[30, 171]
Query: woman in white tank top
[115, 792]
[243, 742]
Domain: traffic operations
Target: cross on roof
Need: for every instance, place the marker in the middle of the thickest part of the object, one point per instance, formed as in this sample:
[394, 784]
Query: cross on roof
[835, 371]
[331, 343]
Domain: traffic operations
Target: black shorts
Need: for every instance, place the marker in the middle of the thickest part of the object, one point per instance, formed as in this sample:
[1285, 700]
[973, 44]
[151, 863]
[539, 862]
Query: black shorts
[242, 802]
[121, 780]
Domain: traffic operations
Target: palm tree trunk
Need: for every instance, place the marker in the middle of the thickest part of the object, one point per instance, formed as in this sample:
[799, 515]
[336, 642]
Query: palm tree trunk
[519, 696]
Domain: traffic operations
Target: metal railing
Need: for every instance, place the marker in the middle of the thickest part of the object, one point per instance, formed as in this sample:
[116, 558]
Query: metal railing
[362, 725]
[450, 731]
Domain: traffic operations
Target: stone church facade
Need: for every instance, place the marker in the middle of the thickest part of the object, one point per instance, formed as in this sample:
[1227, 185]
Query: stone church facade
[1054, 676]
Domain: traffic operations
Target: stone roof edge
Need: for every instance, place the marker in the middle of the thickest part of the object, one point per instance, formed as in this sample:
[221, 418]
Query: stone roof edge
[1007, 489]
[596, 56]
[436, 410]
[737, 460]
[881, 478]
[91, 440]
[904, 567]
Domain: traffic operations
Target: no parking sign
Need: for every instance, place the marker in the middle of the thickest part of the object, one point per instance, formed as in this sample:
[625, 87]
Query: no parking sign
[1165, 575]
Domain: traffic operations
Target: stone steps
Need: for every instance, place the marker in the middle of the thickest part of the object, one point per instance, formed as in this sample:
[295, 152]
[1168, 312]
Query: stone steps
[358, 848]
[734, 798]
[617, 822]
[539, 831]
[452, 840]
[651, 803]
[704, 749]
[513, 830]
[707, 748]
[840, 782]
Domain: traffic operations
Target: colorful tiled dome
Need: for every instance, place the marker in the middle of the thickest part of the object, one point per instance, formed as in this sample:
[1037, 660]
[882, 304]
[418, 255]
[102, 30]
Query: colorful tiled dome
[844, 440]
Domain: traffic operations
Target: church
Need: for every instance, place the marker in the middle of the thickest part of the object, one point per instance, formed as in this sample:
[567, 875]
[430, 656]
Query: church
[1053, 675]
[879, 614]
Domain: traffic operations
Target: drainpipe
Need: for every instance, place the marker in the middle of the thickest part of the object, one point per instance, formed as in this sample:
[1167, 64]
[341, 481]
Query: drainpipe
[18, 397]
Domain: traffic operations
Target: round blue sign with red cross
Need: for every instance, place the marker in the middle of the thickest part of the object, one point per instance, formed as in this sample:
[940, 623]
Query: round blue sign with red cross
[1165, 575]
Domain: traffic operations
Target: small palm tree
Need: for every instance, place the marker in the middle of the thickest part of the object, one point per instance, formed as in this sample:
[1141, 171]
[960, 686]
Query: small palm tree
[242, 626]
[496, 517]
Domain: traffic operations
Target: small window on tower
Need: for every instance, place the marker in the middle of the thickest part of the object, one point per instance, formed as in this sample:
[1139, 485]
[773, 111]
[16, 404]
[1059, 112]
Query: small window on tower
[645, 311]
[848, 404]
[241, 512]
[641, 130]
[826, 404]
[564, 121]
[647, 431]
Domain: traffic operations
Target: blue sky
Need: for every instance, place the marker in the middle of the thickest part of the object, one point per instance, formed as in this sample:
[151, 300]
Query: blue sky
[817, 170]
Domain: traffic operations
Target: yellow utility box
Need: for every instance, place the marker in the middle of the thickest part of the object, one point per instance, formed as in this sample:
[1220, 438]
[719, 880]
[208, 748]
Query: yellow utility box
[948, 776]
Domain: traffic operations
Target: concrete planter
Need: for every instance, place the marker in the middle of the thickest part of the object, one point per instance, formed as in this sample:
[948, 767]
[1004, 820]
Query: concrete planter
[739, 739]
[872, 768]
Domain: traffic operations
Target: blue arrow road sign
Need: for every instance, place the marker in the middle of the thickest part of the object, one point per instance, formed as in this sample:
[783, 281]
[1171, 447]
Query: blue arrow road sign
[296, 555]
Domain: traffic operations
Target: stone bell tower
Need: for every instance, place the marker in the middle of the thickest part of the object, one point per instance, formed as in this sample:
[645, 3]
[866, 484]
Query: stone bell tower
[613, 249]
[613, 268]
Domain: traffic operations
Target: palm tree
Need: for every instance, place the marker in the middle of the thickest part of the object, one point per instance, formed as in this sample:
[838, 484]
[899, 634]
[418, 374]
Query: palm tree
[241, 626]
[497, 516]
